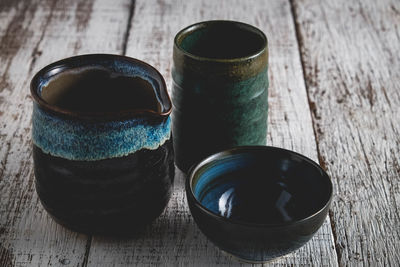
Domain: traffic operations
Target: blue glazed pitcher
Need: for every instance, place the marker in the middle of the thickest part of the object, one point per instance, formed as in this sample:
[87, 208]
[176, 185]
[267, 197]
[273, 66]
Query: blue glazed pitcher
[102, 147]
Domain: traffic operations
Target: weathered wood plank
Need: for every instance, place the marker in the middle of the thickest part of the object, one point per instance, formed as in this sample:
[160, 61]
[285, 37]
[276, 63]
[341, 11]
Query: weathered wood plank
[33, 34]
[350, 53]
[174, 239]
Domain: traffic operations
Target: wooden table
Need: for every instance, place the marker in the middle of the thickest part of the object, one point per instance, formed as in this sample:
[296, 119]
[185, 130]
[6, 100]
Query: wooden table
[334, 96]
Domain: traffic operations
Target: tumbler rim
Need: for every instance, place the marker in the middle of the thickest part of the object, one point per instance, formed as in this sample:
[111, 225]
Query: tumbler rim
[194, 27]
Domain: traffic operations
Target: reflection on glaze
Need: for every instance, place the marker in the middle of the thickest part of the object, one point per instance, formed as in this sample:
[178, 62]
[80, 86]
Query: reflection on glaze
[238, 189]
[252, 200]
[225, 203]
[280, 205]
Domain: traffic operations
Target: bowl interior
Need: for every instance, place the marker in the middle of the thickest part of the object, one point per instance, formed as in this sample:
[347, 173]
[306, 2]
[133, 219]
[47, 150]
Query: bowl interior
[262, 185]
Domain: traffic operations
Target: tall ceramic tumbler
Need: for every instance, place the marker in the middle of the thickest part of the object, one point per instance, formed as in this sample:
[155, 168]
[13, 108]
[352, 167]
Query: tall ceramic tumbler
[220, 89]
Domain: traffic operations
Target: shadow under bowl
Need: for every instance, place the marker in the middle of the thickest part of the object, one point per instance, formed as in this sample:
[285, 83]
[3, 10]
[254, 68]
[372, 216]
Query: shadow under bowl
[258, 202]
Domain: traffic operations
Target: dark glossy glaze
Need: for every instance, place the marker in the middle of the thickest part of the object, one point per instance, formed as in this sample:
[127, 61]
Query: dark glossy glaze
[258, 203]
[118, 195]
[251, 195]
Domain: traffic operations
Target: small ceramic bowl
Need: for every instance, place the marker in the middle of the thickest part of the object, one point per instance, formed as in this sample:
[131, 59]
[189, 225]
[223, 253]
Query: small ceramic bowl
[258, 202]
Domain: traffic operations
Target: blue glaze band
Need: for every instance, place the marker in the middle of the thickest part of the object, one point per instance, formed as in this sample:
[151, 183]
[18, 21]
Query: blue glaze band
[76, 140]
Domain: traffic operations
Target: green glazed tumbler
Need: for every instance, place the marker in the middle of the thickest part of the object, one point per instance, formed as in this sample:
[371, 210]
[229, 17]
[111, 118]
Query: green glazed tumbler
[220, 89]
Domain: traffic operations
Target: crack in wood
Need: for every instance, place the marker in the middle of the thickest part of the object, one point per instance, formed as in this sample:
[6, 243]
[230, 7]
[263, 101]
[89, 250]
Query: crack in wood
[368, 93]
[15, 35]
[8, 5]
[364, 152]
[2, 230]
[395, 11]
[128, 27]
[386, 96]
[4, 79]
[36, 52]
[6, 257]
[87, 251]
[394, 187]
[4, 161]
[83, 13]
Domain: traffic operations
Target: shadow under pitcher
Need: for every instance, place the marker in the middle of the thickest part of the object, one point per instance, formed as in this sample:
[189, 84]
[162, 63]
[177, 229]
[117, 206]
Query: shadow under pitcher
[220, 89]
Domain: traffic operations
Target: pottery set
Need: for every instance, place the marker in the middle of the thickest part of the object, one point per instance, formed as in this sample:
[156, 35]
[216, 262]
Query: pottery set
[105, 145]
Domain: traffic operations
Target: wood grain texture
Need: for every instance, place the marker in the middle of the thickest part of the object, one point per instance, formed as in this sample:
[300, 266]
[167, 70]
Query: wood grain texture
[174, 239]
[33, 34]
[350, 54]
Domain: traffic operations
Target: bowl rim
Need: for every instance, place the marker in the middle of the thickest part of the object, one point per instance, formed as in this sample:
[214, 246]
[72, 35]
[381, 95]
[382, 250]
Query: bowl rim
[239, 150]
[68, 63]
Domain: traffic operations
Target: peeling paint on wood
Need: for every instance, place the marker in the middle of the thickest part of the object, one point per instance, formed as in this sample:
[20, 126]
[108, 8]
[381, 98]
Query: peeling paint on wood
[354, 46]
[83, 13]
[33, 34]
[6, 257]
[343, 52]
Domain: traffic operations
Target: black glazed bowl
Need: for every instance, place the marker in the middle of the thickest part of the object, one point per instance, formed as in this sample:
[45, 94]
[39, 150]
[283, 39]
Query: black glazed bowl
[258, 202]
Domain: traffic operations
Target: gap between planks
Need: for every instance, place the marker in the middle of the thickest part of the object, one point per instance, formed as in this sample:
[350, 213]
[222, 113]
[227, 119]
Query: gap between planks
[128, 26]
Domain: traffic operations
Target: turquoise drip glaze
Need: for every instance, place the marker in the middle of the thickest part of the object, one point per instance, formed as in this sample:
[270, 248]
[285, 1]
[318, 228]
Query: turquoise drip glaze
[90, 141]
